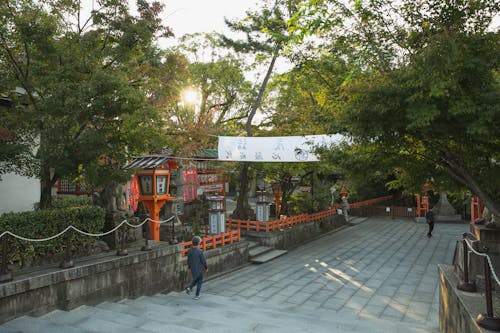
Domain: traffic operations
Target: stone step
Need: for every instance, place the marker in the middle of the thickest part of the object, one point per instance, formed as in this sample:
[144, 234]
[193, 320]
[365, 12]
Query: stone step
[178, 312]
[258, 250]
[79, 315]
[276, 315]
[5, 329]
[169, 315]
[252, 244]
[156, 321]
[289, 314]
[26, 324]
[265, 257]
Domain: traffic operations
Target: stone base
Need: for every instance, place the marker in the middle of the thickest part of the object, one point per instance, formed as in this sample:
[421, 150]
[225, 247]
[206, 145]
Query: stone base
[457, 309]
[486, 238]
[448, 218]
[290, 238]
[485, 234]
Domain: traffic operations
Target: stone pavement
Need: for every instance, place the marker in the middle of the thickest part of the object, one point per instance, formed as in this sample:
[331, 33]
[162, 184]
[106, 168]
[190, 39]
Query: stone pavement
[381, 269]
[378, 276]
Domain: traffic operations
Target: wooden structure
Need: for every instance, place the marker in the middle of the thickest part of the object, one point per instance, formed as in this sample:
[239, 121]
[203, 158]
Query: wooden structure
[153, 176]
[211, 242]
[422, 205]
[476, 208]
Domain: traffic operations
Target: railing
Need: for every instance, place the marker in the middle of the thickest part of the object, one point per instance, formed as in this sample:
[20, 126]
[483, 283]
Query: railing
[268, 226]
[369, 202]
[211, 242]
[486, 320]
[120, 229]
[279, 224]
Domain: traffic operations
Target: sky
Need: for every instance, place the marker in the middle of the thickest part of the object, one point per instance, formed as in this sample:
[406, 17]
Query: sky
[190, 16]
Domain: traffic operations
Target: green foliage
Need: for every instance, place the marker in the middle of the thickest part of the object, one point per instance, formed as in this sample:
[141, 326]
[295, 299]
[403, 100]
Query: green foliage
[47, 223]
[422, 103]
[85, 87]
[64, 201]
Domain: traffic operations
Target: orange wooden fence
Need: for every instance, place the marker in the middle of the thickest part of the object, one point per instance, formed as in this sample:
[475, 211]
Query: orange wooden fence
[211, 242]
[269, 226]
[289, 221]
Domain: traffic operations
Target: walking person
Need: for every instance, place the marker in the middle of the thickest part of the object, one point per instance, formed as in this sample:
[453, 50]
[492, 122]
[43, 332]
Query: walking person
[429, 217]
[197, 264]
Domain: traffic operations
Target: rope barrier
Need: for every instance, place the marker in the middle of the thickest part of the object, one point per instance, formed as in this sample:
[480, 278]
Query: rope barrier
[487, 258]
[84, 232]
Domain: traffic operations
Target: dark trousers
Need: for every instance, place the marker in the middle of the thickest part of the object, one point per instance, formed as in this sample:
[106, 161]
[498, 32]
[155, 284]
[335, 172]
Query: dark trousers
[431, 227]
[198, 281]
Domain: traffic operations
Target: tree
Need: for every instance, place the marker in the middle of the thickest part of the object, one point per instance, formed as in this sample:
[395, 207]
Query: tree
[267, 36]
[83, 84]
[428, 91]
[216, 85]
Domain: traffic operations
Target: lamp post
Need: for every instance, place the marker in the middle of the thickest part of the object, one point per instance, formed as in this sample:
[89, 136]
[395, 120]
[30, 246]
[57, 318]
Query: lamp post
[154, 186]
[216, 214]
[332, 191]
[276, 189]
[262, 206]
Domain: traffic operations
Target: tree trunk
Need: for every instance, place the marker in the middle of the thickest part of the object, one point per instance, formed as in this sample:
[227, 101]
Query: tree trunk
[464, 177]
[242, 206]
[45, 187]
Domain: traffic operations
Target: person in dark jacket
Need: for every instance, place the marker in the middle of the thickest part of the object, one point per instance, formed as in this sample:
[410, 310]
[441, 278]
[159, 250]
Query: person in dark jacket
[429, 217]
[197, 264]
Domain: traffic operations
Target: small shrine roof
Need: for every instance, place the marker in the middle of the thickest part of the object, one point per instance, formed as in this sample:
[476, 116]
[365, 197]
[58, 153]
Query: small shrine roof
[148, 162]
[207, 153]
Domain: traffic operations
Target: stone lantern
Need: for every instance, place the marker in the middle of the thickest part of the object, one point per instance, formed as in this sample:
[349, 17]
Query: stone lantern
[262, 208]
[216, 214]
[154, 186]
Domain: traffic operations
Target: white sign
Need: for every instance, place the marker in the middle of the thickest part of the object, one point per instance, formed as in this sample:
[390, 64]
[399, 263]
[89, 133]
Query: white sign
[273, 149]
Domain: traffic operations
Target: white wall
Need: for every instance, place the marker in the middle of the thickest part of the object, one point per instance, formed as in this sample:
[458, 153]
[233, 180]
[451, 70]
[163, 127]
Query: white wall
[18, 193]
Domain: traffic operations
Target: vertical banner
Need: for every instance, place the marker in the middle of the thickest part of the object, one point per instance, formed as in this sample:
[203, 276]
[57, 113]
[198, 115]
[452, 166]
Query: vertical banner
[273, 149]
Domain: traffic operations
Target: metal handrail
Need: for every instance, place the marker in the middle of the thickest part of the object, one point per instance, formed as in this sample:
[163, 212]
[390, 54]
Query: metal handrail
[6, 276]
[486, 320]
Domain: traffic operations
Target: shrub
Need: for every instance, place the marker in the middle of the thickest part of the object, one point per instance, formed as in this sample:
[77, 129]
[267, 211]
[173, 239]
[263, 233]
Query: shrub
[46, 224]
[63, 201]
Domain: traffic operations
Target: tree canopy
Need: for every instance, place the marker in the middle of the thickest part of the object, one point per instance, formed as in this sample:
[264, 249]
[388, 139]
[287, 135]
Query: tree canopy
[81, 84]
[425, 89]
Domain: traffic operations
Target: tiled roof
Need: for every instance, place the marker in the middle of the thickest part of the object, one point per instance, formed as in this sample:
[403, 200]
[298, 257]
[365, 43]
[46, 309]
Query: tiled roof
[148, 162]
[207, 153]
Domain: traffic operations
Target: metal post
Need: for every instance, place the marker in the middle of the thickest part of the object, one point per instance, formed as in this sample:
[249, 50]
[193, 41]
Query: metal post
[173, 240]
[146, 246]
[67, 262]
[5, 275]
[466, 285]
[122, 251]
[488, 320]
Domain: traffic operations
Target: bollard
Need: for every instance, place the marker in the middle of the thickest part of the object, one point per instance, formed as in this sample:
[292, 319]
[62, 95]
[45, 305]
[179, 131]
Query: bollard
[146, 246]
[67, 262]
[5, 275]
[174, 239]
[466, 285]
[122, 251]
[488, 320]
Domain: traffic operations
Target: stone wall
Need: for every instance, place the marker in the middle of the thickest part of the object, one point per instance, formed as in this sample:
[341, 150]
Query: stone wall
[458, 309]
[106, 277]
[289, 238]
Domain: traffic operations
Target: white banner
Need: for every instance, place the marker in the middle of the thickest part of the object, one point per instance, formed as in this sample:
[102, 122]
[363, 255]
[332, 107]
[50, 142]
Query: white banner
[273, 149]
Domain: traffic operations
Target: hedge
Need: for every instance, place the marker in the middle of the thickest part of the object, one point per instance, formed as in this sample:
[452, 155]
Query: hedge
[46, 223]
